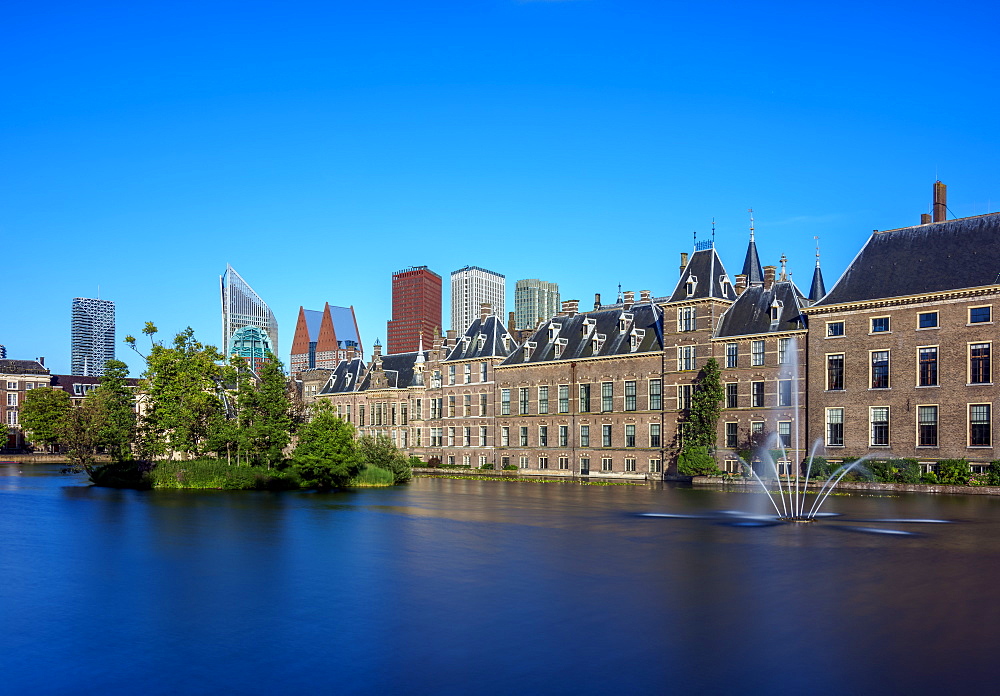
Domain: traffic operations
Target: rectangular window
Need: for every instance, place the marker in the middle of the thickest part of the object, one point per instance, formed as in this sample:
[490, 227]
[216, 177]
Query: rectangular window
[783, 345]
[605, 436]
[584, 436]
[927, 320]
[880, 369]
[482, 372]
[563, 462]
[683, 397]
[467, 405]
[543, 399]
[927, 358]
[756, 353]
[835, 372]
[879, 416]
[523, 398]
[524, 436]
[543, 436]
[835, 427]
[451, 374]
[451, 437]
[543, 462]
[757, 394]
[927, 426]
[564, 436]
[606, 464]
[732, 395]
[12, 398]
[880, 324]
[732, 435]
[655, 390]
[686, 319]
[785, 434]
[732, 354]
[563, 398]
[654, 434]
[451, 406]
[979, 315]
[784, 392]
[505, 436]
[482, 404]
[655, 466]
[607, 396]
[361, 414]
[980, 430]
[630, 395]
[504, 402]
[630, 435]
[466, 437]
[686, 358]
[835, 328]
[523, 462]
[979, 363]
[504, 462]
[11, 417]
[629, 465]
[584, 398]
[482, 436]
[468, 373]
[11, 385]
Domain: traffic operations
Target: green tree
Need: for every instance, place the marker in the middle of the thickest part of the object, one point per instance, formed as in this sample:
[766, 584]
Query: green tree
[116, 406]
[43, 415]
[379, 451]
[265, 415]
[326, 455]
[694, 460]
[81, 432]
[706, 407]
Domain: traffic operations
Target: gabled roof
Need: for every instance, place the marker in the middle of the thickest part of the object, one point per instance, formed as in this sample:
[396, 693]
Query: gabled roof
[22, 367]
[398, 370]
[751, 313]
[710, 278]
[576, 335]
[470, 346]
[345, 378]
[936, 257]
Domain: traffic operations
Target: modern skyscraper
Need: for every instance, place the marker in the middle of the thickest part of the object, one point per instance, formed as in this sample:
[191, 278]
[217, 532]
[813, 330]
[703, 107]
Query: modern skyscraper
[322, 339]
[92, 336]
[534, 301]
[470, 287]
[241, 307]
[416, 309]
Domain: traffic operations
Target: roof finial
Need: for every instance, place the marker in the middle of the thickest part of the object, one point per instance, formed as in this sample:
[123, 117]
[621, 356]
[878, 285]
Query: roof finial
[750, 210]
[621, 298]
[784, 271]
[694, 233]
[817, 250]
[713, 232]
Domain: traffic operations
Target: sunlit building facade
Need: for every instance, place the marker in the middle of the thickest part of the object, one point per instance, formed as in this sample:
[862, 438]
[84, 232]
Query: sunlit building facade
[92, 336]
[242, 307]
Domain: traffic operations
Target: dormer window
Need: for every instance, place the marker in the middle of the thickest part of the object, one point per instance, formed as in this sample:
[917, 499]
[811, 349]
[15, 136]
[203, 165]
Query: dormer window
[589, 325]
[333, 382]
[482, 341]
[506, 342]
[347, 380]
[776, 310]
[554, 329]
[691, 285]
[559, 347]
[466, 340]
[725, 284]
[636, 339]
[598, 342]
[529, 348]
[624, 321]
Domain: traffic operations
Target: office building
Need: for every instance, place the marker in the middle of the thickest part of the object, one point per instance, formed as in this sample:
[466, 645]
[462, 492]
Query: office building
[472, 287]
[324, 338]
[416, 309]
[92, 336]
[242, 307]
[534, 301]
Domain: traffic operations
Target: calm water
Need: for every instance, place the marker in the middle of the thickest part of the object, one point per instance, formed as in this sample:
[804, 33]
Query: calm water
[459, 586]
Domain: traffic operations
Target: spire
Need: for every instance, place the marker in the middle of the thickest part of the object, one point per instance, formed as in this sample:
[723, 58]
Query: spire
[818, 288]
[751, 265]
[784, 268]
[418, 366]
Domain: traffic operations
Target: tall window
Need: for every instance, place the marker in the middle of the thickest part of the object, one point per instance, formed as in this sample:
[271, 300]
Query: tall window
[732, 395]
[785, 434]
[543, 399]
[835, 427]
[630, 435]
[979, 363]
[732, 435]
[605, 436]
[927, 358]
[543, 462]
[563, 462]
[584, 436]
[467, 405]
[563, 398]
[451, 406]
[979, 425]
[683, 397]
[927, 426]
[756, 353]
[879, 416]
[504, 402]
[757, 394]
[468, 373]
[835, 372]
[451, 374]
[686, 358]
[783, 345]
[482, 404]
[563, 435]
[524, 436]
[543, 436]
[686, 319]
[607, 396]
[584, 398]
[482, 436]
[880, 369]
[466, 437]
[654, 434]
[655, 401]
[523, 398]
[732, 354]
[606, 464]
[505, 436]
[630, 395]
[784, 392]
[482, 372]
[451, 437]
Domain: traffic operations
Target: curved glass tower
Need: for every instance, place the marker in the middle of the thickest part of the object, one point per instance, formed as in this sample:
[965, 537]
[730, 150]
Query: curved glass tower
[242, 307]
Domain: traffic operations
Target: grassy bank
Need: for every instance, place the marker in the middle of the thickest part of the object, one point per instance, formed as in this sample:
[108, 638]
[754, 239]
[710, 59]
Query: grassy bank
[220, 475]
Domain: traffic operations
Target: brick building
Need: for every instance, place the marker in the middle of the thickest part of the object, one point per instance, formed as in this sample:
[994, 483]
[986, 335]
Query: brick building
[324, 338]
[416, 309]
[17, 378]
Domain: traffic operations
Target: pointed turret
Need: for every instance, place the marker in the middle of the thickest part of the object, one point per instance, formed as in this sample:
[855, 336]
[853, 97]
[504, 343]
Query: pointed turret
[818, 288]
[751, 265]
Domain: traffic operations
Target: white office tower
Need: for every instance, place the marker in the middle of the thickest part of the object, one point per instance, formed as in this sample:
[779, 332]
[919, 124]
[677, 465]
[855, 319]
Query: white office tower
[470, 287]
[534, 301]
[92, 336]
[242, 307]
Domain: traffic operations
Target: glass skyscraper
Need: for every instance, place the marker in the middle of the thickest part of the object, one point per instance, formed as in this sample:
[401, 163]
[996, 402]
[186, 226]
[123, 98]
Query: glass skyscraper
[534, 301]
[242, 307]
[92, 336]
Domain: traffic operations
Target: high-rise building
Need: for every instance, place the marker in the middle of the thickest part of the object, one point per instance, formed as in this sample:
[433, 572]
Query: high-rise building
[416, 309]
[471, 287]
[242, 307]
[324, 338]
[534, 301]
[92, 336]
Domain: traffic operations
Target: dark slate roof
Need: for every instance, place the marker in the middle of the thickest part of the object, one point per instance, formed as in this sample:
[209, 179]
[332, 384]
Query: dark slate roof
[398, 369]
[22, 367]
[345, 377]
[468, 347]
[706, 266]
[580, 329]
[936, 257]
[751, 313]
[818, 287]
[751, 265]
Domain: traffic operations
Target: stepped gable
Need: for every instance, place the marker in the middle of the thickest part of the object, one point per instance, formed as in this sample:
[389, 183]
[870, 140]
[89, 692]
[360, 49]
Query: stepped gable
[751, 312]
[935, 257]
[470, 346]
[576, 335]
[393, 371]
[22, 367]
[708, 276]
[345, 378]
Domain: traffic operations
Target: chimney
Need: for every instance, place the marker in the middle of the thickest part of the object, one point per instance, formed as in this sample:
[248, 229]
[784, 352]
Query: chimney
[485, 310]
[629, 299]
[597, 300]
[570, 307]
[511, 324]
[741, 284]
[377, 352]
[684, 261]
[645, 296]
[452, 337]
[41, 361]
[940, 202]
[925, 218]
[769, 272]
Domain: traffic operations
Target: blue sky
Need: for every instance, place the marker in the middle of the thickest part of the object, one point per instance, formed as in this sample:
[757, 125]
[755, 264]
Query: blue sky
[319, 147]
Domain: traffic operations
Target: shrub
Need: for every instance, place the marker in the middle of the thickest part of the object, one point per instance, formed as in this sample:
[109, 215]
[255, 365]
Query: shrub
[487, 465]
[373, 476]
[953, 471]
[696, 461]
[820, 469]
[509, 467]
[993, 474]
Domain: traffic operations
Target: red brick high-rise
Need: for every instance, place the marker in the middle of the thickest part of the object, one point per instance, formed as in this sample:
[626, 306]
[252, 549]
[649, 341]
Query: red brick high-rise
[416, 309]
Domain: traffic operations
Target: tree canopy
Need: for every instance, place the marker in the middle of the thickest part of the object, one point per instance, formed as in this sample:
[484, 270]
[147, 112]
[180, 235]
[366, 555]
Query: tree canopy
[327, 455]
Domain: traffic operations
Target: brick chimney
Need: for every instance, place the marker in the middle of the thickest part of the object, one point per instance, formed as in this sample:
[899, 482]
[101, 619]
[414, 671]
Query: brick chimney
[511, 324]
[645, 296]
[769, 273]
[485, 310]
[597, 300]
[684, 261]
[629, 299]
[570, 307]
[741, 284]
[925, 218]
[940, 202]
[377, 352]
